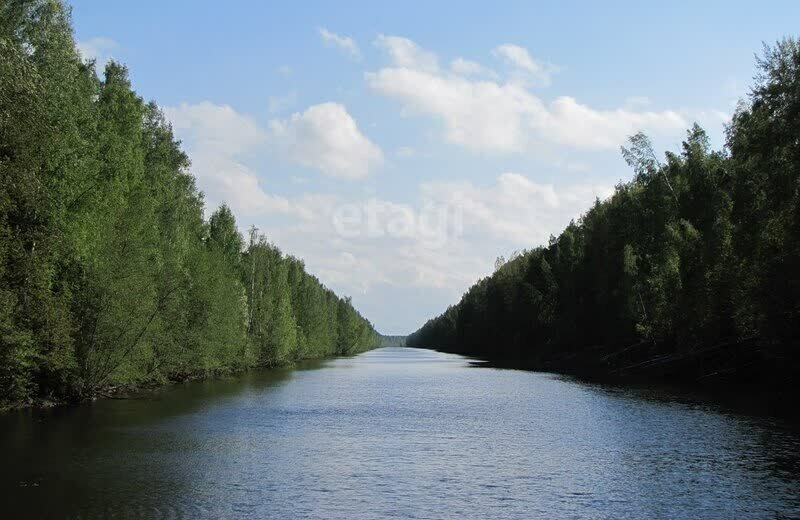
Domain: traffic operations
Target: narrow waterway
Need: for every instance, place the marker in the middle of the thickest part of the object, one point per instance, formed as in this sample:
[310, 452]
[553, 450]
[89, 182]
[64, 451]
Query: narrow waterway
[404, 433]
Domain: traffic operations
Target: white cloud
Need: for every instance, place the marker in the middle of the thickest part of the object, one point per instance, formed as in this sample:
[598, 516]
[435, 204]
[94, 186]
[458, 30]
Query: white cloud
[465, 67]
[508, 214]
[327, 138]
[216, 126]
[440, 242]
[514, 210]
[380, 250]
[574, 124]
[98, 49]
[398, 244]
[357, 273]
[519, 57]
[480, 115]
[344, 43]
[216, 138]
[407, 54]
[505, 116]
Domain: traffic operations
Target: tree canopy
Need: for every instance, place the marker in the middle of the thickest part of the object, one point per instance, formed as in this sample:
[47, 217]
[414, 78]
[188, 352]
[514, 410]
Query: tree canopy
[690, 270]
[109, 273]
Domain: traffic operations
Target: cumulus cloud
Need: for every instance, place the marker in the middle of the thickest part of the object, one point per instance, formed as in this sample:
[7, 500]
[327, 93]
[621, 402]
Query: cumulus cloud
[407, 54]
[440, 242]
[479, 115]
[389, 247]
[98, 49]
[327, 138]
[343, 43]
[515, 210]
[216, 126]
[504, 116]
[445, 240]
[580, 126]
[465, 67]
[359, 245]
[519, 57]
[216, 138]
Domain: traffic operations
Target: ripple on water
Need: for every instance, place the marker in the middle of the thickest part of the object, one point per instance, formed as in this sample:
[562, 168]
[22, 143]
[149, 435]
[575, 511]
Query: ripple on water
[400, 433]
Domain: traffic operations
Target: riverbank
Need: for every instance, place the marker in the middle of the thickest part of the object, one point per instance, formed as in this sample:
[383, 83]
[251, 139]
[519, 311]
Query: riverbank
[119, 391]
[139, 390]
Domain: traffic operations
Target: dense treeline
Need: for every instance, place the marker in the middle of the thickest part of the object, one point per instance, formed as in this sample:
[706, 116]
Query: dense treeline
[690, 270]
[109, 274]
[392, 341]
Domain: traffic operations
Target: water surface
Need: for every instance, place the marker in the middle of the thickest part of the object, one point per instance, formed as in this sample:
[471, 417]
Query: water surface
[402, 433]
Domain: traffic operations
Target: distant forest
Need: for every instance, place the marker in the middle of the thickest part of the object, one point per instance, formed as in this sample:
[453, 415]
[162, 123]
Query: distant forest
[393, 341]
[109, 274]
[691, 270]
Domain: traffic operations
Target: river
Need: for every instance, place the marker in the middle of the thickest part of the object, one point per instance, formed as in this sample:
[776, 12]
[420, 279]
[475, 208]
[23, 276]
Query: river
[403, 433]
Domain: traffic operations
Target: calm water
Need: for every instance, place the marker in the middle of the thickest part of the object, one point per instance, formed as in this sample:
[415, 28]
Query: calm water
[402, 433]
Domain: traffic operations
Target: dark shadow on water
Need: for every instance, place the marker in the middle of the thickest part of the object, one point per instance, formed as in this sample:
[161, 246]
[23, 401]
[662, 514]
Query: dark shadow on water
[114, 451]
[765, 425]
[745, 400]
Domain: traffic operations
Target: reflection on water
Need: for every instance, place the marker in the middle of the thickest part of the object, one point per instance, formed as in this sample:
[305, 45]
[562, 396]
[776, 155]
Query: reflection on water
[400, 433]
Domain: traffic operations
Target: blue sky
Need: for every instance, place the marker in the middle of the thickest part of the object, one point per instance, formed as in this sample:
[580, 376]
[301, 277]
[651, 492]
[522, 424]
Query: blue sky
[399, 148]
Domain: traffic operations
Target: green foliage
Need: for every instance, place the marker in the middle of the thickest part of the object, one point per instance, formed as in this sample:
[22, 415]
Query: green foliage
[392, 341]
[692, 267]
[292, 315]
[109, 274]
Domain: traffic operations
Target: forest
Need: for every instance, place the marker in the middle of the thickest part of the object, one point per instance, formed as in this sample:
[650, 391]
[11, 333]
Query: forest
[689, 271]
[392, 341]
[110, 275]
